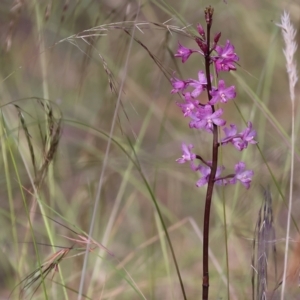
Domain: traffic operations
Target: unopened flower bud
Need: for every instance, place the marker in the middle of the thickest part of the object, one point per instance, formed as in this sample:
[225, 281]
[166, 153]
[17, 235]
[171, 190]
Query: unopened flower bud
[201, 30]
[217, 37]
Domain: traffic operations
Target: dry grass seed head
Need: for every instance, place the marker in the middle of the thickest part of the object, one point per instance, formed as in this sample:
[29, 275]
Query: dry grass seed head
[264, 240]
[28, 138]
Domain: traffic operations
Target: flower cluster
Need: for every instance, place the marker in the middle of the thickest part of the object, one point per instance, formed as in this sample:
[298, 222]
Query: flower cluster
[205, 116]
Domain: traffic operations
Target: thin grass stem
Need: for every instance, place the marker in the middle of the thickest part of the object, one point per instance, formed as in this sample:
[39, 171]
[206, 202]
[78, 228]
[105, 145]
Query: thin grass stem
[289, 34]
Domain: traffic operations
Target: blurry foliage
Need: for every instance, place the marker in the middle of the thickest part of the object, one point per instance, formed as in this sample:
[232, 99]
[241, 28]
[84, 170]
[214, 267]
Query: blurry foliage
[81, 78]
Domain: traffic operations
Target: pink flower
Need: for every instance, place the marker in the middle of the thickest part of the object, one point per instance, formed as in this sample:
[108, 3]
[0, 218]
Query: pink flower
[222, 93]
[242, 175]
[199, 85]
[205, 171]
[226, 58]
[189, 106]
[187, 154]
[239, 140]
[178, 85]
[205, 118]
[184, 52]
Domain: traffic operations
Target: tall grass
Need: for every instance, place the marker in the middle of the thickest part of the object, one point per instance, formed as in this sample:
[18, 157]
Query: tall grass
[289, 34]
[80, 197]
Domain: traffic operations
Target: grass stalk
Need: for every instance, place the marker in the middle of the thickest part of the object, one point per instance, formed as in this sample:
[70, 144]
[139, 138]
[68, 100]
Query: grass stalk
[117, 203]
[105, 160]
[289, 34]
[4, 142]
[45, 88]
[27, 211]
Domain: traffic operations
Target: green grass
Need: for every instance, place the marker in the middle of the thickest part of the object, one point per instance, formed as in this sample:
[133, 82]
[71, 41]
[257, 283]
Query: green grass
[89, 137]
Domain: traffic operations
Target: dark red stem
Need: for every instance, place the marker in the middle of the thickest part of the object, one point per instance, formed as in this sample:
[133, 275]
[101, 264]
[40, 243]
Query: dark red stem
[211, 180]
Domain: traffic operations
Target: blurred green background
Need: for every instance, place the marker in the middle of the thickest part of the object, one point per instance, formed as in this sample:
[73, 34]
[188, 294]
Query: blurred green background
[48, 51]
